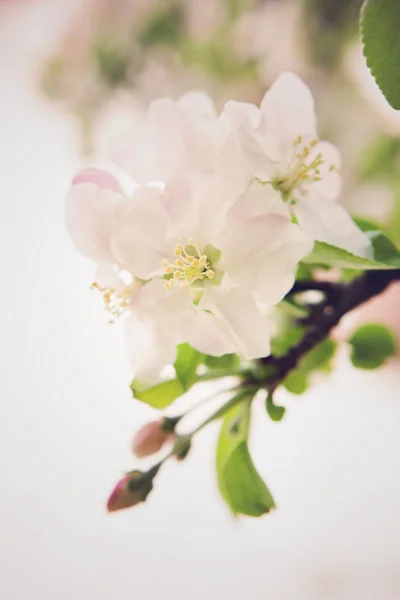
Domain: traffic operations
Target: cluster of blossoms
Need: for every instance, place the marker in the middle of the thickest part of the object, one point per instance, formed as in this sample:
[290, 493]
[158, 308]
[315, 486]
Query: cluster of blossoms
[222, 211]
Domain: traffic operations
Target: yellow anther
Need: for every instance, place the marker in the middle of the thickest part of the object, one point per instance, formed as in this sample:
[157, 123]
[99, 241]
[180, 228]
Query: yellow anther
[192, 265]
[116, 302]
[313, 143]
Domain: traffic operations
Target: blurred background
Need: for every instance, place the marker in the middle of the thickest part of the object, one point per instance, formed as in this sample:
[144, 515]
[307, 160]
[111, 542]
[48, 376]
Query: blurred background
[73, 75]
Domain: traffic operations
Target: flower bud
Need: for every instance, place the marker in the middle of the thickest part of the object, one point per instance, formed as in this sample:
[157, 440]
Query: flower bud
[130, 490]
[151, 437]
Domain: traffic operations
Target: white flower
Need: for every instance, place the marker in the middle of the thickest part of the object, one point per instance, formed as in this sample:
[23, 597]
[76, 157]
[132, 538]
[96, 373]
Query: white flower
[280, 144]
[197, 273]
[185, 135]
[220, 271]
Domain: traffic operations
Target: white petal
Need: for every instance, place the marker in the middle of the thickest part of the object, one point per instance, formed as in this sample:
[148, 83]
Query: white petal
[209, 333]
[155, 303]
[149, 350]
[287, 112]
[196, 105]
[247, 326]
[89, 214]
[245, 120]
[142, 224]
[166, 131]
[263, 254]
[326, 221]
[331, 182]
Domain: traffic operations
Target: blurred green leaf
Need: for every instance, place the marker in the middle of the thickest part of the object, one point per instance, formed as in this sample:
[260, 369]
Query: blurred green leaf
[380, 27]
[372, 345]
[381, 157]
[225, 362]
[164, 27]
[296, 382]
[112, 59]
[186, 363]
[160, 395]
[275, 412]
[386, 255]
[320, 357]
[238, 479]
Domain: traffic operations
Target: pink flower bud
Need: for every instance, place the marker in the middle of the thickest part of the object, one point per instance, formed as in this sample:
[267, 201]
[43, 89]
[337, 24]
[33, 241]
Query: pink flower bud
[129, 491]
[150, 438]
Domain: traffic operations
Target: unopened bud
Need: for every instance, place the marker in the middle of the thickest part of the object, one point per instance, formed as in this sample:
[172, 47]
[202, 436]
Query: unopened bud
[182, 447]
[130, 490]
[151, 437]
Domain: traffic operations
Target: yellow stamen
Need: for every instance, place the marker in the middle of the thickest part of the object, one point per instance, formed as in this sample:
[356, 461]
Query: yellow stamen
[192, 265]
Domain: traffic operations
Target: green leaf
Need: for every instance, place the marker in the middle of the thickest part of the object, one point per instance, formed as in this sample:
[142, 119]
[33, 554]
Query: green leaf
[226, 362]
[238, 479]
[274, 411]
[186, 363]
[380, 27]
[372, 345]
[320, 357]
[386, 255]
[160, 395]
[296, 382]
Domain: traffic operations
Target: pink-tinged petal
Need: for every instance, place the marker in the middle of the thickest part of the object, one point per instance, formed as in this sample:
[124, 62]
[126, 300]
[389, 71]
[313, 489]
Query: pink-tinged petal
[326, 221]
[129, 491]
[246, 325]
[258, 200]
[98, 177]
[263, 254]
[287, 112]
[89, 214]
[150, 438]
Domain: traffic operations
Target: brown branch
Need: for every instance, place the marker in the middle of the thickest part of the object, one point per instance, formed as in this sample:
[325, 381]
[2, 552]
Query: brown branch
[348, 296]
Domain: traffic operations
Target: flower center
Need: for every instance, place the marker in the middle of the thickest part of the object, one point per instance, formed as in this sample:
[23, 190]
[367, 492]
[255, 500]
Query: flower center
[191, 265]
[301, 169]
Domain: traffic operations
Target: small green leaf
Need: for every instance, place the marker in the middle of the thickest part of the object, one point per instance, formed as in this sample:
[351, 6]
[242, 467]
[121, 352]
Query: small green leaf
[386, 255]
[186, 363]
[372, 345]
[380, 27]
[225, 362]
[238, 480]
[274, 411]
[160, 395]
[296, 382]
[320, 357]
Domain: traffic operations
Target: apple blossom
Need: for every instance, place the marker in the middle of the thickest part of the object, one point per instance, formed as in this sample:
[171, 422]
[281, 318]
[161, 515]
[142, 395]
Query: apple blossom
[195, 274]
[280, 144]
